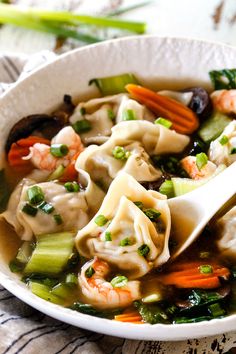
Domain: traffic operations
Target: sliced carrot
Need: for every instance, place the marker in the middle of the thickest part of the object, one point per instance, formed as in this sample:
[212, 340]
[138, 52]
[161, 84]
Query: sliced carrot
[207, 283]
[70, 174]
[183, 119]
[21, 149]
[131, 317]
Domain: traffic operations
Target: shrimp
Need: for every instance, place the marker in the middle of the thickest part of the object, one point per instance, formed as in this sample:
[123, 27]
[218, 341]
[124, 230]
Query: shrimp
[224, 101]
[100, 293]
[41, 157]
[190, 166]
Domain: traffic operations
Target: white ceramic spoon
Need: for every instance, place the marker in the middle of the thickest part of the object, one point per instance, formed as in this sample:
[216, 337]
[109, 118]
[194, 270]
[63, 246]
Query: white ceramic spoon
[192, 211]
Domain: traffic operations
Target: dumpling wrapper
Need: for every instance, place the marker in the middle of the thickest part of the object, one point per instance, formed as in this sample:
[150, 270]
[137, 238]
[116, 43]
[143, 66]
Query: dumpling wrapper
[142, 139]
[126, 220]
[76, 209]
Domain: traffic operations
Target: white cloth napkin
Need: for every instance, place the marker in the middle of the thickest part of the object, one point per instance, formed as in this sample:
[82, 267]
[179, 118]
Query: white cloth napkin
[27, 331]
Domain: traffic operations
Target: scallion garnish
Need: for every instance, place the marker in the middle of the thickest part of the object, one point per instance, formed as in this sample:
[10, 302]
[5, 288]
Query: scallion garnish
[100, 220]
[201, 160]
[82, 111]
[35, 195]
[205, 269]
[71, 279]
[143, 250]
[128, 114]
[152, 214]
[167, 188]
[58, 219]
[139, 204]
[59, 150]
[72, 186]
[82, 126]
[108, 236]
[224, 140]
[165, 122]
[216, 310]
[113, 84]
[120, 153]
[29, 210]
[47, 208]
[89, 272]
[233, 151]
[111, 114]
[119, 281]
[126, 242]
[57, 173]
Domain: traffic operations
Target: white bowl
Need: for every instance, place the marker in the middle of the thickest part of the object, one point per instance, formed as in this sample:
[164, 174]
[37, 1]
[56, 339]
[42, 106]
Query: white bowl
[158, 62]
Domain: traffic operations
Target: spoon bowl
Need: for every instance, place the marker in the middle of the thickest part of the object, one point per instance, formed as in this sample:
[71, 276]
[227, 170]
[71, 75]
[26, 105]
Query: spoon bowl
[192, 211]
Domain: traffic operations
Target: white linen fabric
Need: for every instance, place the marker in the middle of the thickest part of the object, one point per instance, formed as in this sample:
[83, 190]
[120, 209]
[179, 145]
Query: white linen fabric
[27, 331]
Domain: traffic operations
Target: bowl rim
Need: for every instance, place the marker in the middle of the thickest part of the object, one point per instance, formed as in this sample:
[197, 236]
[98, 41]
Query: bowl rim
[171, 332]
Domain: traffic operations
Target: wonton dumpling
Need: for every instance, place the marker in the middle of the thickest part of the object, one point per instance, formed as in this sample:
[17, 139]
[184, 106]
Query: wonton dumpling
[127, 220]
[142, 139]
[76, 209]
[98, 112]
[226, 229]
[221, 154]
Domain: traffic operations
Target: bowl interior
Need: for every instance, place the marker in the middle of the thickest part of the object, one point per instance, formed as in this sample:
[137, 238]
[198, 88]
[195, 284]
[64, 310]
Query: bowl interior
[161, 63]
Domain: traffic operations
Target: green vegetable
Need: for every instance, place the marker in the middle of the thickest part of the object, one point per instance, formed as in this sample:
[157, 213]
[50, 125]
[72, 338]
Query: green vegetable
[179, 320]
[71, 279]
[24, 252]
[100, 220]
[201, 160]
[89, 272]
[29, 209]
[61, 290]
[165, 122]
[58, 219]
[128, 114]
[139, 204]
[167, 188]
[216, 310]
[129, 8]
[47, 208]
[82, 111]
[59, 150]
[224, 140]
[72, 186]
[151, 313]
[152, 214]
[213, 127]
[143, 250]
[111, 114]
[45, 293]
[35, 195]
[205, 269]
[51, 254]
[156, 297]
[82, 126]
[108, 236]
[4, 191]
[120, 153]
[223, 79]
[119, 281]
[168, 164]
[113, 84]
[90, 310]
[16, 266]
[126, 242]
[57, 173]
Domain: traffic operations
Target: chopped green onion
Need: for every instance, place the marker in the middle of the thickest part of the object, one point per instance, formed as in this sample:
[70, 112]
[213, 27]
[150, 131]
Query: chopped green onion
[205, 269]
[125, 242]
[128, 114]
[35, 195]
[29, 210]
[47, 208]
[143, 250]
[216, 310]
[201, 160]
[89, 272]
[82, 111]
[58, 219]
[59, 150]
[113, 84]
[108, 236]
[233, 151]
[152, 214]
[72, 186]
[16, 266]
[71, 279]
[119, 281]
[167, 188]
[152, 298]
[165, 122]
[57, 173]
[139, 204]
[82, 126]
[120, 153]
[111, 114]
[100, 220]
[224, 140]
